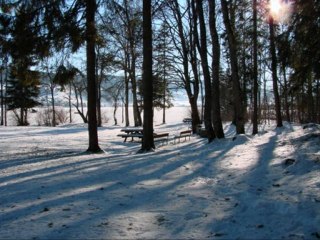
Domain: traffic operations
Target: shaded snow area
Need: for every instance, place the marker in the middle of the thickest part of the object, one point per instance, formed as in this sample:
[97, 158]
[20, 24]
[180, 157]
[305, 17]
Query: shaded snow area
[245, 187]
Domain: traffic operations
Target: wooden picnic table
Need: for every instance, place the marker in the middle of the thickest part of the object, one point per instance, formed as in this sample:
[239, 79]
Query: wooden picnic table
[131, 132]
[138, 133]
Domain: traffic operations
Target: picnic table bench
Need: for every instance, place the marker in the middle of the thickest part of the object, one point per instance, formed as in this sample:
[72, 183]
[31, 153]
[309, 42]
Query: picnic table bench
[161, 137]
[183, 134]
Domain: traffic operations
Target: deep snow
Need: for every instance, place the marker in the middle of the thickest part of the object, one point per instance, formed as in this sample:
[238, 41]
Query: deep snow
[249, 187]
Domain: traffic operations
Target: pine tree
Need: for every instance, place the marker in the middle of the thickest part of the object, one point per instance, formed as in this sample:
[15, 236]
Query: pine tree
[162, 70]
[22, 92]
[24, 47]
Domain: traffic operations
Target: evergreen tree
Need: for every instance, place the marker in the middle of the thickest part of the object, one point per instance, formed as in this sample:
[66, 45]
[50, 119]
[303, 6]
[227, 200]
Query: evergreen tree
[22, 92]
[163, 70]
[24, 46]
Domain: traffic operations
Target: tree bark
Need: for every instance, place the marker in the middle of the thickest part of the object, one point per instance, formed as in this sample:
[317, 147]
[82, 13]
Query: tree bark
[286, 93]
[99, 82]
[126, 103]
[53, 105]
[2, 99]
[91, 77]
[148, 140]
[274, 73]
[216, 112]
[70, 104]
[206, 73]
[255, 70]
[237, 94]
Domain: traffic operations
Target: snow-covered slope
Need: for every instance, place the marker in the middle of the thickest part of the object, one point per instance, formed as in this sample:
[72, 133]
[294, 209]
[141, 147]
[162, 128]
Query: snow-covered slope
[261, 187]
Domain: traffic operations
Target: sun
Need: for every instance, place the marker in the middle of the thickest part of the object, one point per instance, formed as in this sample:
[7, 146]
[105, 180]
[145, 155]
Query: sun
[275, 7]
[279, 10]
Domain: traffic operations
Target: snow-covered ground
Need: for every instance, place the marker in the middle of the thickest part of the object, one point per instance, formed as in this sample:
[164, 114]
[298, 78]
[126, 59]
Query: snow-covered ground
[261, 187]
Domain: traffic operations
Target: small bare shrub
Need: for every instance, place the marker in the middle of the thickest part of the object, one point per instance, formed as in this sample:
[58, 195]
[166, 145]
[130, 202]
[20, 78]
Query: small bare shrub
[104, 117]
[62, 116]
[44, 116]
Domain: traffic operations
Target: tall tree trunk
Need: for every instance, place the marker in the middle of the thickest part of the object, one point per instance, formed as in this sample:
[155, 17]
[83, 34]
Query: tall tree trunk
[310, 100]
[286, 91]
[318, 100]
[194, 61]
[164, 100]
[70, 104]
[136, 112]
[2, 99]
[99, 117]
[274, 73]
[206, 73]
[216, 108]
[192, 95]
[164, 93]
[237, 94]
[148, 140]
[21, 120]
[99, 82]
[5, 96]
[255, 70]
[91, 78]
[126, 103]
[54, 123]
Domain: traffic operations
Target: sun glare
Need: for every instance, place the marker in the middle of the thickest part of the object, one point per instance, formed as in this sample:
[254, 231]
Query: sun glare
[279, 10]
[275, 7]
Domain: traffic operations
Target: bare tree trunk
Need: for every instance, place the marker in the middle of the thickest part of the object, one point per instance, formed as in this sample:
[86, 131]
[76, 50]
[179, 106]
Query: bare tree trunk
[164, 101]
[274, 73]
[115, 108]
[21, 120]
[318, 101]
[54, 123]
[237, 94]
[148, 140]
[192, 95]
[285, 91]
[132, 74]
[91, 76]
[136, 112]
[99, 82]
[5, 96]
[126, 104]
[194, 61]
[310, 100]
[216, 112]
[206, 73]
[255, 70]
[2, 99]
[70, 105]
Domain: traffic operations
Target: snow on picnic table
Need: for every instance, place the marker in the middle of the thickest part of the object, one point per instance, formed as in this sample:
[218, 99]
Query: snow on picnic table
[261, 187]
